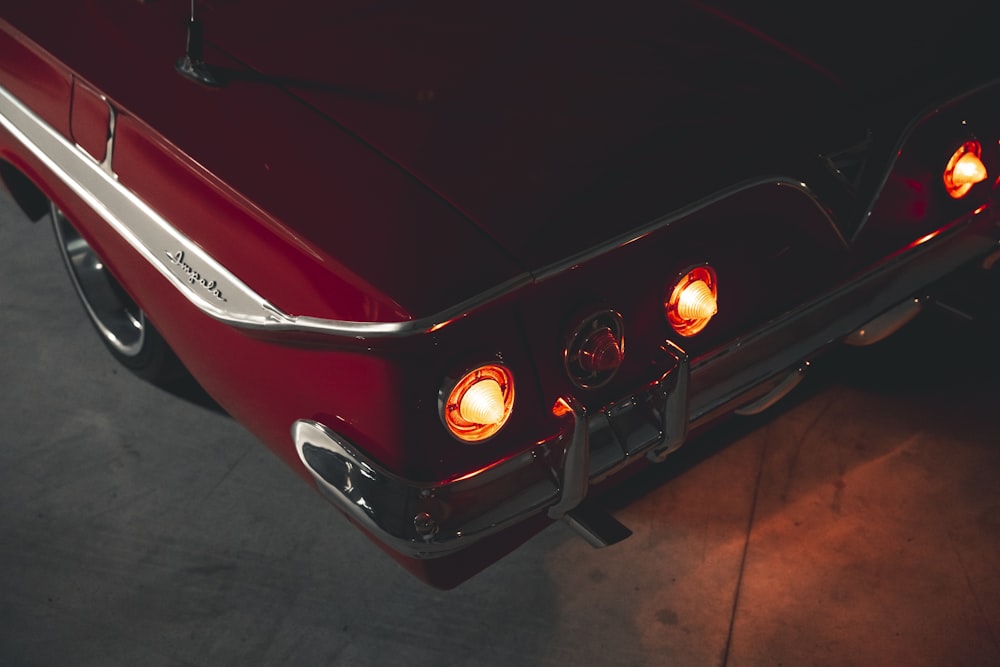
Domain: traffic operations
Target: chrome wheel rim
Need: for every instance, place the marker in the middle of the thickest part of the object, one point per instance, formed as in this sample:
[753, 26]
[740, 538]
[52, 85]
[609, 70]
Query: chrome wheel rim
[120, 322]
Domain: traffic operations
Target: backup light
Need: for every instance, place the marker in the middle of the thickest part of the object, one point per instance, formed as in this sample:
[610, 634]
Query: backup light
[965, 168]
[595, 349]
[600, 352]
[479, 404]
[693, 301]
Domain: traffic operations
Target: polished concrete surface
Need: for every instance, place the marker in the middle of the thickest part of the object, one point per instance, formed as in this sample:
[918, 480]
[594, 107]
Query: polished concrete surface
[858, 523]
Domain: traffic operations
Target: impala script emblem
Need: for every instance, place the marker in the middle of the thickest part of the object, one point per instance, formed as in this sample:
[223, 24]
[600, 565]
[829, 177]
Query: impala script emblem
[193, 276]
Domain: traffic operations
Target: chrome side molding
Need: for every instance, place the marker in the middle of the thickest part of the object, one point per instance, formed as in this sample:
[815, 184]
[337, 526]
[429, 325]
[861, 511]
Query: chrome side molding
[198, 276]
[145, 230]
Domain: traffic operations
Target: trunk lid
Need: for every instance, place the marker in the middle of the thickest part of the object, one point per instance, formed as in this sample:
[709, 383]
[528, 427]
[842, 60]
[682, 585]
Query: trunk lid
[552, 126]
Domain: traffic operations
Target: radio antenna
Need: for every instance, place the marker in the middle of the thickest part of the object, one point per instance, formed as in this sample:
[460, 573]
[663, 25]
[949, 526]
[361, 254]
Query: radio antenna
[191, 65]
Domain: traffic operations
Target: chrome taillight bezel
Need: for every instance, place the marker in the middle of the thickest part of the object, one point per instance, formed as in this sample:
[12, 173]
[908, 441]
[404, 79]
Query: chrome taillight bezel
[587, 327]
[455, 387]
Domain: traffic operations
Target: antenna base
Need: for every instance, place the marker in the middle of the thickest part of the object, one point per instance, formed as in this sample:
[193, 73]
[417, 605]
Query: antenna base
[197, 71]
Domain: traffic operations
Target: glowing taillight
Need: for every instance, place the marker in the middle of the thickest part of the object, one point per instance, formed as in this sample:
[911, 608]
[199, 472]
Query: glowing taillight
[482, 403]
[965, 168]
[479, 404]
[692, 301]
[697, 302]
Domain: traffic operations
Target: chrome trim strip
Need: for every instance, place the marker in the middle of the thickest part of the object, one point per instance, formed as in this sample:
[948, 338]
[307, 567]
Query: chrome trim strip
[219, 293]
[109, 140]
[423, 325]
[109, 146]
[645, 230]
[205, 282]
[922, 117]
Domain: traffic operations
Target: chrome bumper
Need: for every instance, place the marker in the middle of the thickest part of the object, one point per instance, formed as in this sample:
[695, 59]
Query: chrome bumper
[433, 520]
[427, 521]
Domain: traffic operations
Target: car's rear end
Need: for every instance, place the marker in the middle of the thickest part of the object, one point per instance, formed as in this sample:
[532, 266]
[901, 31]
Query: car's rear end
[460, 265]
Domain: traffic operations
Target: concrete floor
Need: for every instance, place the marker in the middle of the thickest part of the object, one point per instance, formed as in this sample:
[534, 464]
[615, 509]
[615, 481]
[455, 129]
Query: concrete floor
[857, 524]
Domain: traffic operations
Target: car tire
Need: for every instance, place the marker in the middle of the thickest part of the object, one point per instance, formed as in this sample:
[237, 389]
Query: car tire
[121, 325]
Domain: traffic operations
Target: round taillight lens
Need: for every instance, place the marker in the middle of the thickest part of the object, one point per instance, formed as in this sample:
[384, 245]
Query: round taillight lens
[479, 404]
[595, 349]
[692, 301]
[965, 168]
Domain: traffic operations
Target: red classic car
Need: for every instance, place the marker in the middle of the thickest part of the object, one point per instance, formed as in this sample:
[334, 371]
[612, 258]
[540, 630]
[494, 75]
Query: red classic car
[463, 264]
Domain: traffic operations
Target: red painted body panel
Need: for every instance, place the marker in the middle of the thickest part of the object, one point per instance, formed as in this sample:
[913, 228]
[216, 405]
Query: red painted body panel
[38, 79]
[396, 163]
[352, 207]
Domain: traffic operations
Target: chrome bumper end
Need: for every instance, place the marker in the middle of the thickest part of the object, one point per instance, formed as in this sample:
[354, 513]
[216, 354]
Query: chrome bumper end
[434, 520]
